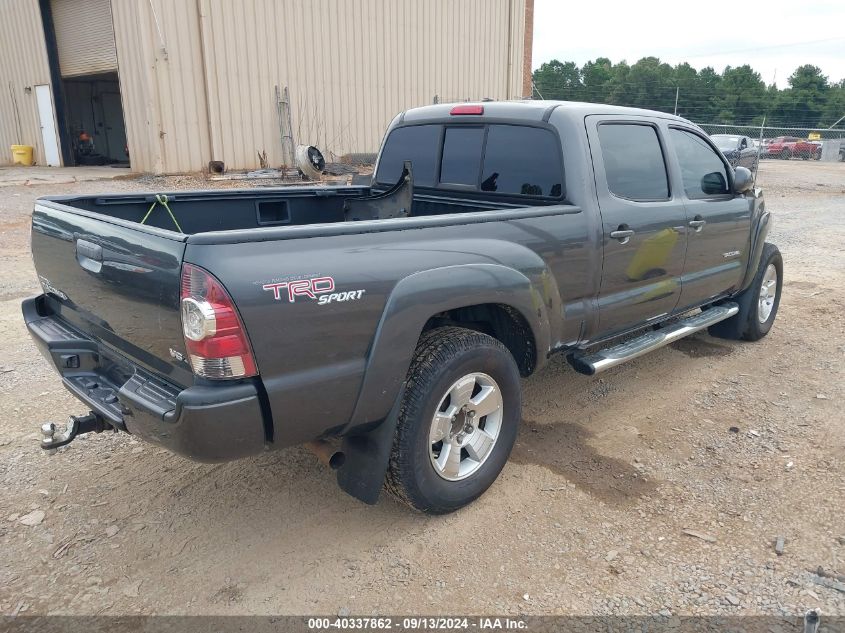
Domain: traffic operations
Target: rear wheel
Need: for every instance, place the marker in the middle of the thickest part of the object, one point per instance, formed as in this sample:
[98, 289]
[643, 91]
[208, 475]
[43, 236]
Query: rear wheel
[758, 304]
[458, 421]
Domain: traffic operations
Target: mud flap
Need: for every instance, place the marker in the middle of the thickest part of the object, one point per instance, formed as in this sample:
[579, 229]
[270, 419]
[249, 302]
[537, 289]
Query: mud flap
[367, 456]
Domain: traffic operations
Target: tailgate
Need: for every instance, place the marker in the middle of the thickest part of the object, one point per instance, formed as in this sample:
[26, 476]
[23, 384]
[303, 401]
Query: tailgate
[116, 281]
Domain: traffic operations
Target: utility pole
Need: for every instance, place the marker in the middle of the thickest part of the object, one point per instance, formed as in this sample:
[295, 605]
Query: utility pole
[677, 92]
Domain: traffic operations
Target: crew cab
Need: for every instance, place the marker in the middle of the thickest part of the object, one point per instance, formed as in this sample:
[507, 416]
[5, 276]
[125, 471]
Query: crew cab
[388, 325]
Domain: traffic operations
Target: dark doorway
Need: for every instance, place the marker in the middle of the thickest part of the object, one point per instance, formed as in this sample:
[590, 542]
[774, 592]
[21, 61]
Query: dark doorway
[94, 119]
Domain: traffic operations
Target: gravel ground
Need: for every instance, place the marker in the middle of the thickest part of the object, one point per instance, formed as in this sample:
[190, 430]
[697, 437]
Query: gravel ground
[659, 487]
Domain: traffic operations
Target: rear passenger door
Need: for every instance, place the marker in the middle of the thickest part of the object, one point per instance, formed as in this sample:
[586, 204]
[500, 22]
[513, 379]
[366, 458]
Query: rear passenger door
[643, 222]
[719, 220]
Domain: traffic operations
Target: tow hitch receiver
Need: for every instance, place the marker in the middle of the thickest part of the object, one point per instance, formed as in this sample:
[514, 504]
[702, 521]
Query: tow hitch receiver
[91, 423]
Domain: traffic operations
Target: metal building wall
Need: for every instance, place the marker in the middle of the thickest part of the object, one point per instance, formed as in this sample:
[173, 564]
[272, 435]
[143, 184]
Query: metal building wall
[350, 66]
[23, 64]
[161, 84]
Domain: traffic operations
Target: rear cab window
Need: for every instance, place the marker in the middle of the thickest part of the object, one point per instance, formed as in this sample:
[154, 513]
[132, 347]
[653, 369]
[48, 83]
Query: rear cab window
[419, 144]
[462, 147]
[493, 159]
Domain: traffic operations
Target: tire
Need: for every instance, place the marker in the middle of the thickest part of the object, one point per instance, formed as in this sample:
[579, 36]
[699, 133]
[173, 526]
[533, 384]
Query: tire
[785, 154]
[446, 357]
[748, 324]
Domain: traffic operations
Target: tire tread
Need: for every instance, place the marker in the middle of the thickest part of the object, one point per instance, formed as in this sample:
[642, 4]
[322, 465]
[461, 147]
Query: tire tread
[434, 350]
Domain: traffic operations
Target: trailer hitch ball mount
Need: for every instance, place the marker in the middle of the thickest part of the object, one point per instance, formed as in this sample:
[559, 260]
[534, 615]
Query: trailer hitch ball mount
[51, 439]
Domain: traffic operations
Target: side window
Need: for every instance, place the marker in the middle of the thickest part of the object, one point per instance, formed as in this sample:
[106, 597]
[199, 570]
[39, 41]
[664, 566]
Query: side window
[633, 161]
[461, 155]
[703, 172]
[416, 143]
[522, 160]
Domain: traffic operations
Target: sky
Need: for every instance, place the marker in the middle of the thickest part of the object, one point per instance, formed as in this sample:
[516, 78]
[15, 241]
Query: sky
[773, 36]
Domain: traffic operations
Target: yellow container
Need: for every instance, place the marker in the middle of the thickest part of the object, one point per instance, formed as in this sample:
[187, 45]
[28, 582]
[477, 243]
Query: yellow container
[22, 154]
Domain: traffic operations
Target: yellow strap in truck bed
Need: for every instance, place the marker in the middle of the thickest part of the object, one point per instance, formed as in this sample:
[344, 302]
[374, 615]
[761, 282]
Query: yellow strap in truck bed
[161, 198]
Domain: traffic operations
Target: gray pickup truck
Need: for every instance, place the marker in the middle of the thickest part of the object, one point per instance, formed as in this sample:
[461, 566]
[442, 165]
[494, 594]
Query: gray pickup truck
[388, 326]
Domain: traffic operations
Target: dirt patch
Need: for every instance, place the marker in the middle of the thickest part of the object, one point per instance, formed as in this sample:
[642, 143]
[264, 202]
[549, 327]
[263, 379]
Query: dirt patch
[565, 450]
[699, 347]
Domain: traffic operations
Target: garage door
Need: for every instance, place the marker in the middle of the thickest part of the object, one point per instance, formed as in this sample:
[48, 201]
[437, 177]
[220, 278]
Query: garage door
[84, 36]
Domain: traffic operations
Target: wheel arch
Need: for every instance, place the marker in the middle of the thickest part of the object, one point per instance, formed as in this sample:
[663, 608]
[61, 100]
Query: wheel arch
[503, 322]
[487, 297]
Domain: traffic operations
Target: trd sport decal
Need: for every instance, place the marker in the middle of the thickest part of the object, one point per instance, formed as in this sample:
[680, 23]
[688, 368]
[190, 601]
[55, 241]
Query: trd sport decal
[319, 288]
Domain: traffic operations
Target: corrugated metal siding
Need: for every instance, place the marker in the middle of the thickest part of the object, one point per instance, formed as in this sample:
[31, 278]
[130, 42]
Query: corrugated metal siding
[350, 65]
[161, 84]
[84, 36]
[23, 64]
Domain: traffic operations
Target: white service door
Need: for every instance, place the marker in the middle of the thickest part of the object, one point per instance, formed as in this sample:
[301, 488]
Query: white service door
[47, 118]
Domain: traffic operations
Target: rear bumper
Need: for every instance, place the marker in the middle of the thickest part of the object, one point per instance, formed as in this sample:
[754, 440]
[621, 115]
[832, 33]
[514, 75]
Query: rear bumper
[207, 423]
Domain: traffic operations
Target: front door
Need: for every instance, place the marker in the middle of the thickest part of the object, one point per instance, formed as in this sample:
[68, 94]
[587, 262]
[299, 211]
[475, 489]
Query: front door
[643, 222]
[47, 120]
[719, 220]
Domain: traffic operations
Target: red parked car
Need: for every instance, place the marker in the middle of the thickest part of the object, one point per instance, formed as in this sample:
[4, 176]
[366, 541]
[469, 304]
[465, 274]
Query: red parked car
[787, 147]
[805, 150]
[780, 147]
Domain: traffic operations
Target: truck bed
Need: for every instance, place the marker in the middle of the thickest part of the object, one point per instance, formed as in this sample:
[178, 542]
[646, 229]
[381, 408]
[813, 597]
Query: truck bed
[238, 209]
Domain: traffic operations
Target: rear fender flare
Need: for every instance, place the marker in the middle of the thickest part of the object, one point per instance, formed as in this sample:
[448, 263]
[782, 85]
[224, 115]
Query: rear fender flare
[420, 296]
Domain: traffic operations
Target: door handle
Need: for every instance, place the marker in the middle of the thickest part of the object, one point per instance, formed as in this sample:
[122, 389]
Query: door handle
[89, 255]
[84, 248]
[697, 223]
[623, 235]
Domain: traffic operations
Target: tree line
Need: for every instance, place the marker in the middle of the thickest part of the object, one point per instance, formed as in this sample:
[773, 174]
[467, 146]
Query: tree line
[736, 96]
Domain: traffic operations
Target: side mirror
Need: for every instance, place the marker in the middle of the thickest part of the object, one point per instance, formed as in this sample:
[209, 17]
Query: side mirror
[743, 180]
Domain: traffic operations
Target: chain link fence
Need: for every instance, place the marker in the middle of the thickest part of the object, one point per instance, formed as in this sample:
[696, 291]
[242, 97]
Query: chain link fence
[781, 143]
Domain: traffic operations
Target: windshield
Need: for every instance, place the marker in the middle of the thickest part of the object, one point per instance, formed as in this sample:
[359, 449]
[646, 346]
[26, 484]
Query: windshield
[726, 142]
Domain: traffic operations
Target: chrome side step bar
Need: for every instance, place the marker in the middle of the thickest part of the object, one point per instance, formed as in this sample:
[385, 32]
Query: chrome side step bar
[601, 360]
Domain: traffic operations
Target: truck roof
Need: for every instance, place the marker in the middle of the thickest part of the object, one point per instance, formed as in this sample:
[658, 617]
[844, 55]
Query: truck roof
[527, 109]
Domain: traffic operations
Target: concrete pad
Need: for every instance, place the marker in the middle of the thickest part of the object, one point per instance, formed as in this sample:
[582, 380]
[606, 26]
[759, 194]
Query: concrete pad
[17, 175]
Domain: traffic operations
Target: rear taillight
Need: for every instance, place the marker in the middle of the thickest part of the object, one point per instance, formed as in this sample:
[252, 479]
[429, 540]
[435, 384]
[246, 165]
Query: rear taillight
[214, 335]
